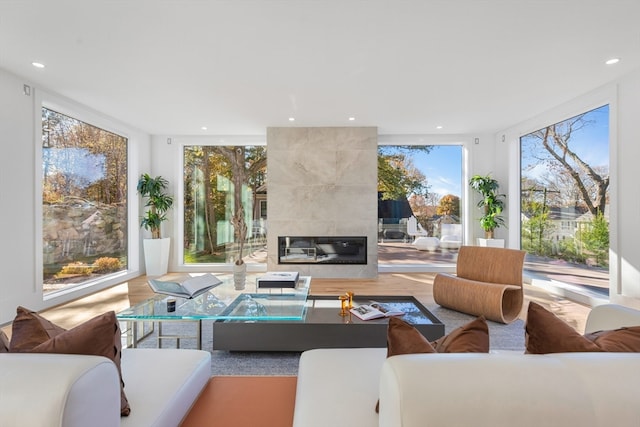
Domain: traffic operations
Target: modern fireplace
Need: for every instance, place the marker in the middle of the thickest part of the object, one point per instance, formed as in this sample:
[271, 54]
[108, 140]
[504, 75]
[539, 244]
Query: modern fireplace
[322, 250]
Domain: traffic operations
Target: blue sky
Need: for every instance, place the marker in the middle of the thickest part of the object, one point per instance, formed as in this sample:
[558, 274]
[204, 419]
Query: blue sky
[443, 165]
[591, 144]
[443, 169]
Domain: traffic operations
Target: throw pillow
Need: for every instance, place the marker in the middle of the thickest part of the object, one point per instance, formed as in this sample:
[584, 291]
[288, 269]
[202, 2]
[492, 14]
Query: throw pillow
[403, 338]
[29, 329]
[99, 336]
[4, 342]
[547, 333]
[470, 338]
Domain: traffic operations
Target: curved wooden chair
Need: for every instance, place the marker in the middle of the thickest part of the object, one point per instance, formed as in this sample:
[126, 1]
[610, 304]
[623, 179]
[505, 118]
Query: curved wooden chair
[488, 282]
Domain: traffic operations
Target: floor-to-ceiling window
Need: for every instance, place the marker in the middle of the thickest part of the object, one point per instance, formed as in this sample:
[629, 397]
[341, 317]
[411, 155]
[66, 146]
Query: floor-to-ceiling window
[84, 202]
[225, 204]
[419, 195]
[565, 200]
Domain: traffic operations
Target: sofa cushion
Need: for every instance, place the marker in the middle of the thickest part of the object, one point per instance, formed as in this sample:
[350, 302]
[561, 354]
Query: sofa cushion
[547, 333]
[29, 329]
[163, 384]
[403, 338]
[99, 336]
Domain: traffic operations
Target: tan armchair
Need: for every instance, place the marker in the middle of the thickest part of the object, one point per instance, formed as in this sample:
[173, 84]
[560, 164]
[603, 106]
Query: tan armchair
[488, 282]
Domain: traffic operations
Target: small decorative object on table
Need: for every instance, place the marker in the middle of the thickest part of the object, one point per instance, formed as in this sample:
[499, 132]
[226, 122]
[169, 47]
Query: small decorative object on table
[344, 301]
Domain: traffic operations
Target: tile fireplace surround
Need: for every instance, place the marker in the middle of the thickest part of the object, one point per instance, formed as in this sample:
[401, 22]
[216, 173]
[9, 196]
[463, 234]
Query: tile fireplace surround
[323, 182]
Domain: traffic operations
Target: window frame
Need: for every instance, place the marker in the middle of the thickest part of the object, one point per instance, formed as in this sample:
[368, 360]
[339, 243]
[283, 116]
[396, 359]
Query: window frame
[511, 136]
[43, 99]
[215, 140]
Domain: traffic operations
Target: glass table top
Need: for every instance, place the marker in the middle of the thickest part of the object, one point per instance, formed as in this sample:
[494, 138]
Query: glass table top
[224, 302]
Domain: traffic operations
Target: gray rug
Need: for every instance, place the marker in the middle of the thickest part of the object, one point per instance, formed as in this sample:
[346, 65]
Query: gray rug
[502, 337]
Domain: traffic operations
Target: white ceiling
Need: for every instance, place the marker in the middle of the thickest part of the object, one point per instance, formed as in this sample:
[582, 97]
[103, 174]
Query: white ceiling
[240, 66]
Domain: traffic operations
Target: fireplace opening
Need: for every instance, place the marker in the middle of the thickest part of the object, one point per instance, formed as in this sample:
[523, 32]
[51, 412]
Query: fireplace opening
[322, 250]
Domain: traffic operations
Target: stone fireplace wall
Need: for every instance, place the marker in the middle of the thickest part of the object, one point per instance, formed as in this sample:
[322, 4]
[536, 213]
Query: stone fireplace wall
[323, 182]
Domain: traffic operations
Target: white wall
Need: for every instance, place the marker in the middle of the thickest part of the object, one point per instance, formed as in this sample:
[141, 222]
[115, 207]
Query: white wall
[623, 97]
[20, 260]
[20, 284]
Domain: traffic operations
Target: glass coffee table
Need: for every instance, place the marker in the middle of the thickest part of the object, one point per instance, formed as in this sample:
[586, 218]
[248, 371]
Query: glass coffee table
[222, 302]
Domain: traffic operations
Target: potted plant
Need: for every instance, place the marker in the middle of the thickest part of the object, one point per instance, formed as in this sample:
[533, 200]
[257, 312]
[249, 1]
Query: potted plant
[240, 233]
[492, 204]
[156, 249]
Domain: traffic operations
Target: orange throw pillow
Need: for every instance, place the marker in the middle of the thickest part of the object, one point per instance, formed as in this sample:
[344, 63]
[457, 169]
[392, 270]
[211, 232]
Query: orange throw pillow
[547, 333]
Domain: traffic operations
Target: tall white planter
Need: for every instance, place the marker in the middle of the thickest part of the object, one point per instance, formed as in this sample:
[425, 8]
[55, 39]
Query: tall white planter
[156, 256]
[492, 243]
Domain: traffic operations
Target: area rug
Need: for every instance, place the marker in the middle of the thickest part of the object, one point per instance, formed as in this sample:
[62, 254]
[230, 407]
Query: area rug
[241, 401]
[502, 337]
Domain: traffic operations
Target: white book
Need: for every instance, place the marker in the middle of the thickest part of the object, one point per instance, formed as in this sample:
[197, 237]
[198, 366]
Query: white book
[190, 288]
[375, 310]
[279, 279]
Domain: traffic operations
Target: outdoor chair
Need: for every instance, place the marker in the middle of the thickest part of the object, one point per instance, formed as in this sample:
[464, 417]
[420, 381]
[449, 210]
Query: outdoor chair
[414, 229]
[488, 282]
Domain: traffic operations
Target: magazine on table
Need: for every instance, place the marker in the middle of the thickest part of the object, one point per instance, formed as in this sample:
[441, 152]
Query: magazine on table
[375, 310]
[190, 288]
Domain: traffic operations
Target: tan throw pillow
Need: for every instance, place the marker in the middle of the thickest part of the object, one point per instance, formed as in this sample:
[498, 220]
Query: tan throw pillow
[403, 338]
[29, 329]
[547, 333]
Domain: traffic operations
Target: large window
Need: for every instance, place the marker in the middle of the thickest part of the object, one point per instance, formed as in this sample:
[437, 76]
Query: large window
[225, 191]
[84, 201]
[419, 195]
[565, 198]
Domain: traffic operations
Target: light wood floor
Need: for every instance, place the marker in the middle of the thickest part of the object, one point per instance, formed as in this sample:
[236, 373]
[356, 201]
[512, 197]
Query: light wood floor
[419, 285]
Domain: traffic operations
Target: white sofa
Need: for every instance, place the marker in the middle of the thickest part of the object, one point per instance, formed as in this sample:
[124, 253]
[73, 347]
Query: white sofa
[340, 387]
[75, 390]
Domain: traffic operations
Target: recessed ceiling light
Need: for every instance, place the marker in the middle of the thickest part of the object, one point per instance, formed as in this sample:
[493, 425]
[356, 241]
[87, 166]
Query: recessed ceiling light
[351, 119]
[438, 127]
[203, 128]
[38, 64]
[612, 61]
[292, 119]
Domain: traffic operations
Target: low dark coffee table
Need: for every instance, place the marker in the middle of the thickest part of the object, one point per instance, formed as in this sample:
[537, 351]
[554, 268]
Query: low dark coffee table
[323, 327]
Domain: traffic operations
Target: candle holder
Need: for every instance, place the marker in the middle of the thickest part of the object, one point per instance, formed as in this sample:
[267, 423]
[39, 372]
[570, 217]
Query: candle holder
[350, 295]
[344, 301]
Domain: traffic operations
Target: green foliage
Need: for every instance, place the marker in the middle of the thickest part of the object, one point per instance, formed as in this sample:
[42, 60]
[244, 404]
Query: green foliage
[536, 231]
[449, 205]
[569, 251]
[75, 268]
[158, 202]
[596, 239]
[492, 202]
[397, 176]
[107, 265]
